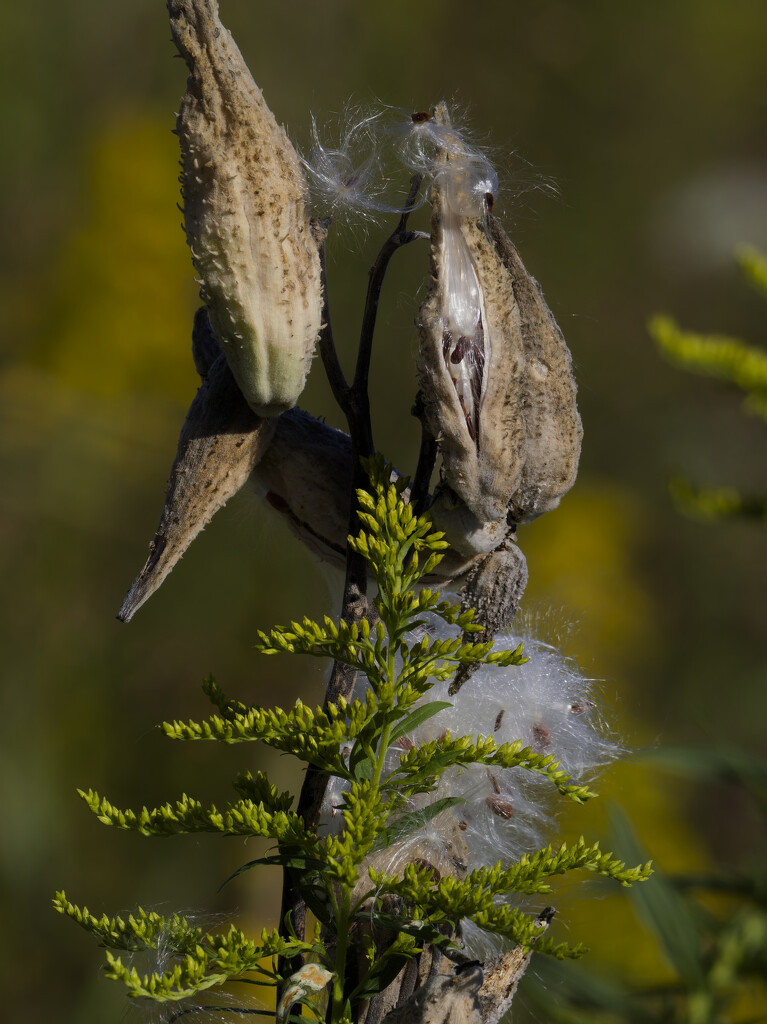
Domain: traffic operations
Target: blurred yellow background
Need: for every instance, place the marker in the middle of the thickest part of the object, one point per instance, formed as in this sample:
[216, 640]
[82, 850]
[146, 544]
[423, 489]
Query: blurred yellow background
[651, 117]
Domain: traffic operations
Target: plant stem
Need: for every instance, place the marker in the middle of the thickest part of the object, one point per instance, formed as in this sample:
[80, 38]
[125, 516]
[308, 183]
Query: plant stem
[342, 945]
[355, 403]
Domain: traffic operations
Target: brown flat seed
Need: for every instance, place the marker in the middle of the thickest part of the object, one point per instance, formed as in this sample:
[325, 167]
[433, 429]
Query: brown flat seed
[542, 735]
[502, 808]
[578, 707]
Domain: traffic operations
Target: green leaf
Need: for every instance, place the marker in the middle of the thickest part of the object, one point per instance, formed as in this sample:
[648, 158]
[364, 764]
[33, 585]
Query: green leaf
[360, 762]
[421, 714]
[292, 861]
[386, 968]
[662, 909]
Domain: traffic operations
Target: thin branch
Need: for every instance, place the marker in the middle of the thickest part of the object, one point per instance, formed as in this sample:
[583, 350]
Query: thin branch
[335, 374]
[399, 237]
[427, 457]
[354, 400]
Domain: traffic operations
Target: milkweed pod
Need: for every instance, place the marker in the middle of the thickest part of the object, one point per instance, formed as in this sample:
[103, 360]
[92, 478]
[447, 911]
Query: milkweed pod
[220, 443]
[553, 429]
[495, 373]
[471, 360]
[246, 216]
[306, 475]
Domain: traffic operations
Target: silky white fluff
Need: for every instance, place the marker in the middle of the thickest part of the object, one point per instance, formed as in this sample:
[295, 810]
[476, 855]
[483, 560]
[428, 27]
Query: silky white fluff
[344, 173]
[346, 168]
[350, 172]
[549, 705]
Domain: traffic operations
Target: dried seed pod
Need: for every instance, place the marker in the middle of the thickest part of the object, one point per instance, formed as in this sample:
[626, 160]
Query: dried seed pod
[221, 441]
[495, 372]
[471, 364]
[553, 429]
[306, 476]
[301, 466]
[444, 999]
[493, 586]
[503, 974]
[246, 216]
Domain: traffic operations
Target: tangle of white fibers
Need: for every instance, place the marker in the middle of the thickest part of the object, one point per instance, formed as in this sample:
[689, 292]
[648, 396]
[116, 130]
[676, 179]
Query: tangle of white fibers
[550, 706]
[218, 1005]
[346, 176]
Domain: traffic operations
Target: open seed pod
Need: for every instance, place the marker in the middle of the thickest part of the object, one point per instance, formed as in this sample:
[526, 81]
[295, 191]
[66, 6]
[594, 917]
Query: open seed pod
[495, 373]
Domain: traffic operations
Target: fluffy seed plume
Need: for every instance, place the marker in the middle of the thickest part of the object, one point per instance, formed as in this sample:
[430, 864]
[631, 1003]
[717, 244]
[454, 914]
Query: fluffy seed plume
[345, 176]
[550, 706]
[246, 216]
[546, 704]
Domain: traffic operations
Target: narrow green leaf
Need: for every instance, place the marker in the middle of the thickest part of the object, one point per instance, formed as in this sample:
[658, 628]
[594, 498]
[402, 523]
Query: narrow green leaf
[411, 822]
[662, 909]
[421, 714]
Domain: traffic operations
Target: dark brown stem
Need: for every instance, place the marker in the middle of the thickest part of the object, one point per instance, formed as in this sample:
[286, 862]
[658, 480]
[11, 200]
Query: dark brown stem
[355, 404]
[328, 354]
[427, 457]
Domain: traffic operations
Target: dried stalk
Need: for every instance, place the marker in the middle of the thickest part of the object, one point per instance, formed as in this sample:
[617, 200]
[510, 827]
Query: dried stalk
[354, 401]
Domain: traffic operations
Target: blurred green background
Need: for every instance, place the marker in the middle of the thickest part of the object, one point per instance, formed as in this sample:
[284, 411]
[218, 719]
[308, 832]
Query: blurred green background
[651, 119]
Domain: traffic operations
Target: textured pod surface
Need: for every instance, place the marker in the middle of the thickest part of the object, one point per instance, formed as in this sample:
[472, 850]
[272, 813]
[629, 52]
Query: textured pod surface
[553, 430]
[245, 214]
[306, 476]
[498, 391]
[443, 999]
[472, 403]
[494, 587]
[221, 441]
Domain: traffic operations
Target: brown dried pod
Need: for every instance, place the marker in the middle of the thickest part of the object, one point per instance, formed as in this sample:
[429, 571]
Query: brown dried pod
[220, 442]
[494, 587]
[299, 465]
[444, 999]
[306, 476]
[470, 369]
[246, 216]
[553, 429]
[495, 373]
